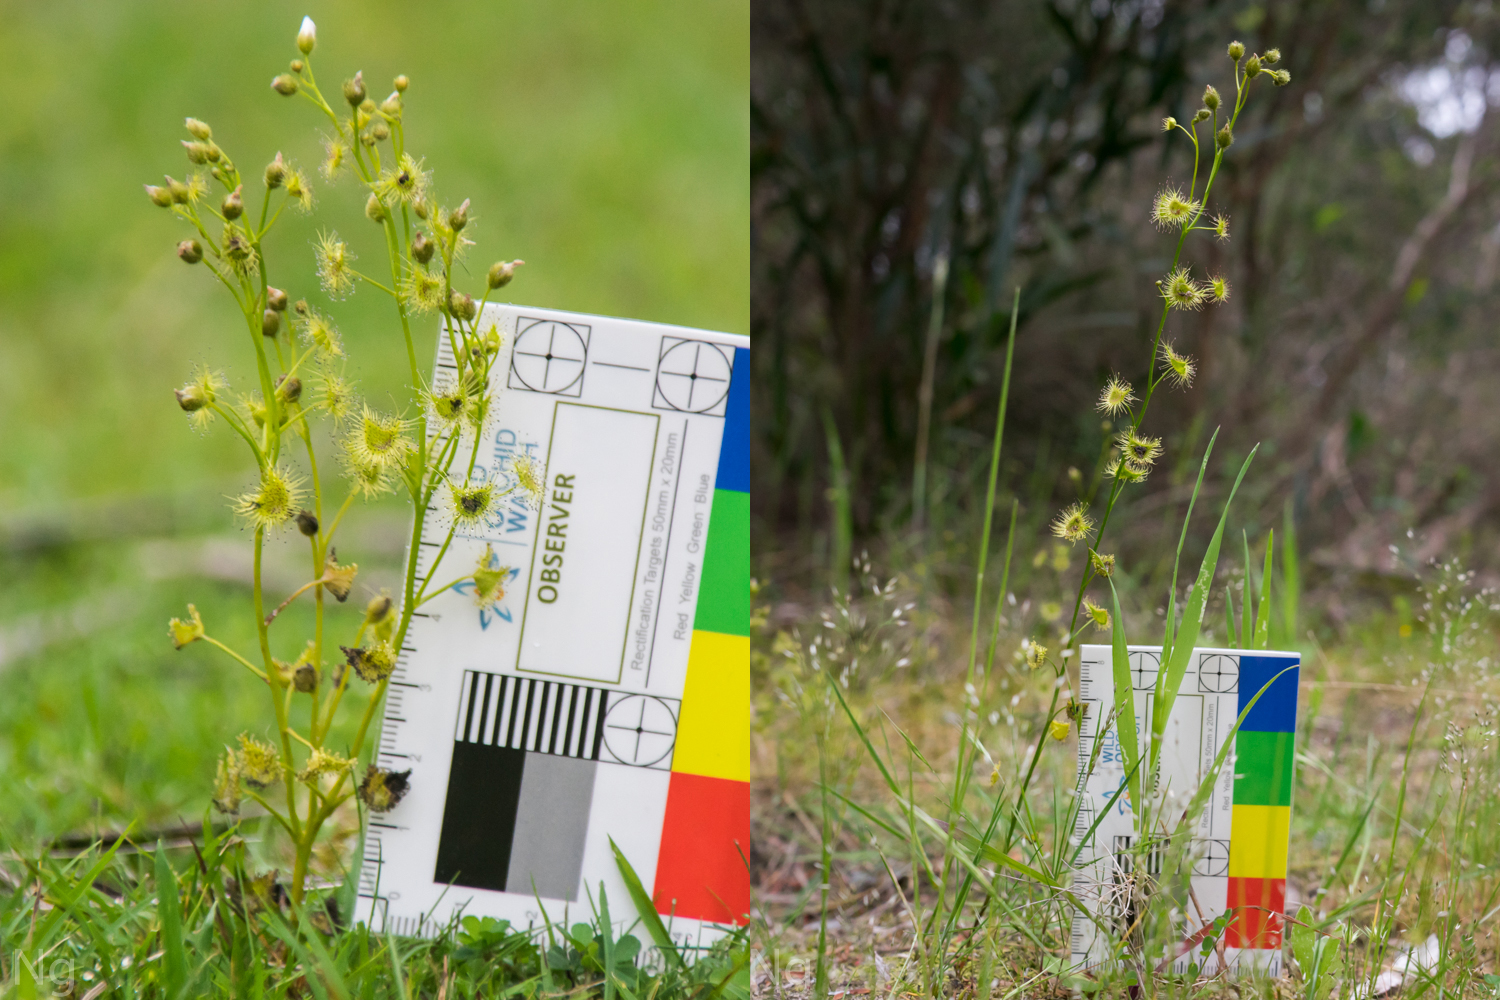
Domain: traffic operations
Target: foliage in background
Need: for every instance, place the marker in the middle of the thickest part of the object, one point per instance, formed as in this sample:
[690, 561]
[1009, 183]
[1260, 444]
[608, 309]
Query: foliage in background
[1018, 144]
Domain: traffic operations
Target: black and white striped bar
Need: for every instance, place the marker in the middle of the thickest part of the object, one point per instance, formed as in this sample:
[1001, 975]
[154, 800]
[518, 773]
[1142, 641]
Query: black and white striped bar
[524, 713]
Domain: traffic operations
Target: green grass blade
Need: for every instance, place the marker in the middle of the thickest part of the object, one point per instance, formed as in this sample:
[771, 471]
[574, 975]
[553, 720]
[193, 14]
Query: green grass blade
[1124, 700]
[169, 914]
[1169, 636]
[1229, 617]
[646, 908]
[1247, 604]
[1192, 621]
[1263, 616]
[1291, 579]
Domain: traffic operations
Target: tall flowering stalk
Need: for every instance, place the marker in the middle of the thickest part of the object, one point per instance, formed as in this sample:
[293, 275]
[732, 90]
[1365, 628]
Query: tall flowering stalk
[1136, 452]
[299, 355]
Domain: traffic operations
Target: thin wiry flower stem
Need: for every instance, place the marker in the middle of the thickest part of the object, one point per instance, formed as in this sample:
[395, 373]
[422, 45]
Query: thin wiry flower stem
[247, 664]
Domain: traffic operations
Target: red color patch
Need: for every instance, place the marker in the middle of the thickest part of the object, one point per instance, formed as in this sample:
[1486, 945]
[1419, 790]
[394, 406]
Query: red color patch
[1258, 903]
[705, 841]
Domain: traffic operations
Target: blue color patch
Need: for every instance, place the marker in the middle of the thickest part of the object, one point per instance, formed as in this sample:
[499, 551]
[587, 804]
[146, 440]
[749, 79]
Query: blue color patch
[1276, 711]
[734, 451]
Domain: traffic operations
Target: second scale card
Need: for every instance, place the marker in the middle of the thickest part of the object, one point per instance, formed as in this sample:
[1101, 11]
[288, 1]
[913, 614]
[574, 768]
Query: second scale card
[607, 696]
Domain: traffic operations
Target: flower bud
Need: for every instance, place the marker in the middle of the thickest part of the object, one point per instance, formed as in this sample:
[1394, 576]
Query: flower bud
[380, 132]
[462, 305]
[374, 210]
[285, 85]
[1252, 67]
[197, 152]
[270, 323]
[276, 299]
[307, 36]
[1201, 115]
[159, 196]
[297, 65]
[492, 341]
[234, 204]
[212, 152]
[502, 271]
[354, 90]
[419, 208]
[305, 678]
[367, 107]
[392, 105]
[198, 130]
[1281, 77]
[191, 251]
[459, 217]
[402, 83]
[307, 523]
[1271, 56]
[288, 390]
[422, 248]
[301, 308]
[275, 172]
[179, 190]
[1210, 98]
[1236, 51]
[191, 397]
[1224, 138]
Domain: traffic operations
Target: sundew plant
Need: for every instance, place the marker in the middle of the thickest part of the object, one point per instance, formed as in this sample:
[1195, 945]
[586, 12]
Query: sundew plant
[1001, 857]
[428, 450]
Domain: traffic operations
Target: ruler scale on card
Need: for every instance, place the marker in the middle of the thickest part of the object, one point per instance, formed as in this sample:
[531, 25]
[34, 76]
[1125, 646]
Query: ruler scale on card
[607, 695]
[1240, 843]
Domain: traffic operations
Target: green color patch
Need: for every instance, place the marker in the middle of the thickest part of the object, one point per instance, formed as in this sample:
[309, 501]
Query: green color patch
[724, 595]
[1263, 769]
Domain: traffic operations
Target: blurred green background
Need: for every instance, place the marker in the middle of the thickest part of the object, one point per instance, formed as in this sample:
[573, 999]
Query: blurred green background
[605, 144]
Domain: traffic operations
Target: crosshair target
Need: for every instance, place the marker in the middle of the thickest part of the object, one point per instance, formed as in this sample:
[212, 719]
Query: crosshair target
[549, 356]
[1214, 859]
[1143, 669]
[1218, 673]
[640, 730]
[693, 376]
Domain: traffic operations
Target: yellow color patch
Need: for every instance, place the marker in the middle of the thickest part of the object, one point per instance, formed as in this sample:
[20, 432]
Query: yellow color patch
[1258, 841]
[713, 734]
